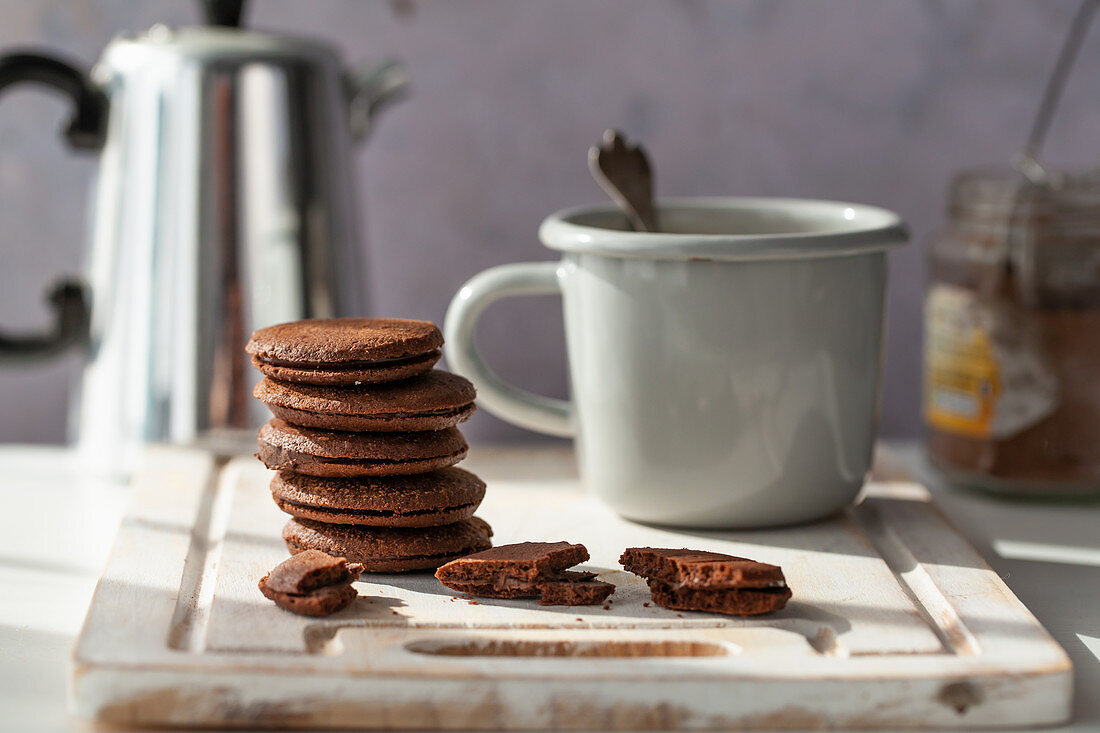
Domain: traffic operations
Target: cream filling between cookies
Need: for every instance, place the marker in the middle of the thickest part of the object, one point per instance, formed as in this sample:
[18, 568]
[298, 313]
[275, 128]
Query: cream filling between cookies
[347, 366]
[445, 412]
[379, 512]
[296, 456]
[504, 581]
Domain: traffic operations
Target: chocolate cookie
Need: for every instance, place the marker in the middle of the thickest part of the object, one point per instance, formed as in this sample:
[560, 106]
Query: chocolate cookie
[527, 570]
[523, 561]
[431, 401]
[568, 589]
[422, 500]
[345, 351]
[700, 568]
[574, 589]
[730, 601]
[330, 453]
[390, 549]
[311, 584]
[697, 580]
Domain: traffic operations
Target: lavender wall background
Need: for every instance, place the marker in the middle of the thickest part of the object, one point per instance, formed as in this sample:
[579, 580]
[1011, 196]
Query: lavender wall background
[874, 102]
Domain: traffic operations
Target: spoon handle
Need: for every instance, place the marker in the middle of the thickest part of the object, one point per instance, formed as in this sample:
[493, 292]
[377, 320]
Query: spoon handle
[1027, 161]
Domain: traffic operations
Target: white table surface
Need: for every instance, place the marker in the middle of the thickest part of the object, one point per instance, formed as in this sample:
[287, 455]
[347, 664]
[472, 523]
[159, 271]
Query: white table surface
[57, 526]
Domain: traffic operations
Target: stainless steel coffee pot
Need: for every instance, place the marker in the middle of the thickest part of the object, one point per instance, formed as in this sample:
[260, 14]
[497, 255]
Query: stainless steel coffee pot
[224, 202]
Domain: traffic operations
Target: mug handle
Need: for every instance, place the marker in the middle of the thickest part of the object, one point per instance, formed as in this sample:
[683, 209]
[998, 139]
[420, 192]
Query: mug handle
[518, 406]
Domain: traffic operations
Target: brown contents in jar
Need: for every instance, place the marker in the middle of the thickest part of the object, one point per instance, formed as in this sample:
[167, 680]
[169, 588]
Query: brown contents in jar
[1063, 447]
[1012, 367]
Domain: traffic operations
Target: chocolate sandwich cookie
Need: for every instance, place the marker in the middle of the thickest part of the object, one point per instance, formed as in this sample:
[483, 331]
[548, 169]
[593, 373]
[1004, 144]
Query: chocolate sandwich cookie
[431, 401]
[527, 570]
[697, 580]
[421, 500]
[390, 549]
[345, 351]
[336, 454]
[311, 584]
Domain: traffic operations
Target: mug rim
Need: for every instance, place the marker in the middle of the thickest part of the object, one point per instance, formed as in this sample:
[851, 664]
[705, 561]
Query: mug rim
[873, 229]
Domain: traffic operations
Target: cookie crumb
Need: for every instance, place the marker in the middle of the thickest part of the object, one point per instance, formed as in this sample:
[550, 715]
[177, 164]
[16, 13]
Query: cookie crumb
[606, 607]
[579, 618]
[472, 602]
[646, 604]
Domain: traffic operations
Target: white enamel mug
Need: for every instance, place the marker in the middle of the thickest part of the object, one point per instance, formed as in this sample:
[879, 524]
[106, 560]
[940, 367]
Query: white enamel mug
[725, 371]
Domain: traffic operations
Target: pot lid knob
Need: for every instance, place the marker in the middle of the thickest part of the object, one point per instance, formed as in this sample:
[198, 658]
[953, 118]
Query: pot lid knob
[226, 13]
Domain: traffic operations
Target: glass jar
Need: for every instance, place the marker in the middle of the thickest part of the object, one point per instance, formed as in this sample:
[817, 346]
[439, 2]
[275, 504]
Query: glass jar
[1012, 335]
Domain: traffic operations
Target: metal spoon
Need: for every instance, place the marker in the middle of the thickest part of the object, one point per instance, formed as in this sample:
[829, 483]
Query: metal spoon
[1027, 161]
[623, 172]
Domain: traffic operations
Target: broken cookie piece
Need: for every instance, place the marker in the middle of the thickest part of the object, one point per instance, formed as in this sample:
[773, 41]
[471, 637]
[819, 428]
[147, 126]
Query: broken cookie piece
[527, 570]
[311, 583]
[697, 580]
[522, 561]
[574, 588]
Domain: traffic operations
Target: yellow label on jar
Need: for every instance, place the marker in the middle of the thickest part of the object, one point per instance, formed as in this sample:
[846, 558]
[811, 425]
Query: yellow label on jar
[961, 380]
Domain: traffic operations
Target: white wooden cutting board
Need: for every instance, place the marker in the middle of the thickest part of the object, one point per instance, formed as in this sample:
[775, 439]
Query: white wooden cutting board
[895, 623]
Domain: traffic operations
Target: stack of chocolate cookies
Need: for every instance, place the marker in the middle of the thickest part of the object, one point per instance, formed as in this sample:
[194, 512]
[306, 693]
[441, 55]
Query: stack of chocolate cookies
[365, 443]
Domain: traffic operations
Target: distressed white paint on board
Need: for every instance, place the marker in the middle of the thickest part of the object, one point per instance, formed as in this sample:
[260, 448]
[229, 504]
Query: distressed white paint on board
[895, 622]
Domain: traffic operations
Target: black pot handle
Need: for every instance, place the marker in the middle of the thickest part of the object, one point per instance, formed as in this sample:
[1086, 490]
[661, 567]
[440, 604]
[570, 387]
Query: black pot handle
[85, 131]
